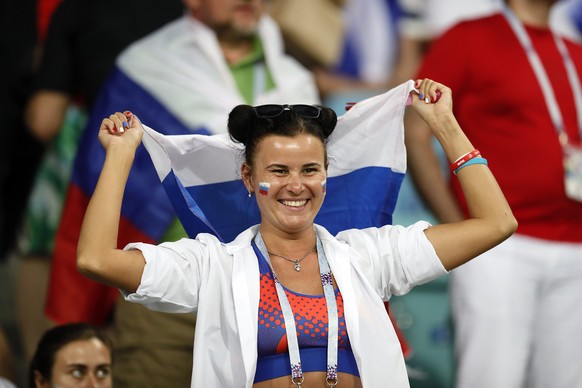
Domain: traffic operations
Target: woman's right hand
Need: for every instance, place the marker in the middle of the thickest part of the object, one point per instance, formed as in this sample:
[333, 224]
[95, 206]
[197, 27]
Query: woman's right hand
[121, 130]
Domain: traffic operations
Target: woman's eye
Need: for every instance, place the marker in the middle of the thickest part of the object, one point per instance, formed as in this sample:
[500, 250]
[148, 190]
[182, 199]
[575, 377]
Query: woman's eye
[279, 171]
[77, 373]
[102, 373]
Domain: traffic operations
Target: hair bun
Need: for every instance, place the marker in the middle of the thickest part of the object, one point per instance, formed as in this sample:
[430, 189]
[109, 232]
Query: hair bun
[240, 122]
[328, 120]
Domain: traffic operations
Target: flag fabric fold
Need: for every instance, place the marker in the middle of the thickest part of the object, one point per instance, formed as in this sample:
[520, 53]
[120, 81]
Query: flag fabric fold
[201, 174]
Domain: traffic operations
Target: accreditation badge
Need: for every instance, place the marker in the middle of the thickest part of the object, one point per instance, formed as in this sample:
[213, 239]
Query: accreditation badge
[573, 171]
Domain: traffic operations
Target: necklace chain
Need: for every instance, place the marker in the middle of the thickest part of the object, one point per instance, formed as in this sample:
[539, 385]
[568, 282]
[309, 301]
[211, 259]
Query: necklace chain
[297, 266]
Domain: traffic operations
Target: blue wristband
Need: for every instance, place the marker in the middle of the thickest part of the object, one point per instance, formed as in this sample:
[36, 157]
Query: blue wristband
[478, 160]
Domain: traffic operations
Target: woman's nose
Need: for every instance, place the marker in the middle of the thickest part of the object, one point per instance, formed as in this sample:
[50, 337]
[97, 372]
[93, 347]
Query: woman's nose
[295, 184]
[94, 381]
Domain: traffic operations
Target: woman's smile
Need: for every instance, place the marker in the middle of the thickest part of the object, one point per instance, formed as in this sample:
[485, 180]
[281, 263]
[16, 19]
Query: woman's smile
[294, 203]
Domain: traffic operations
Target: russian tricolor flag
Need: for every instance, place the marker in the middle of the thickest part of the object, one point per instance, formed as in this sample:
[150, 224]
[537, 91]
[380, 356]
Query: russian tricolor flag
[201, 174]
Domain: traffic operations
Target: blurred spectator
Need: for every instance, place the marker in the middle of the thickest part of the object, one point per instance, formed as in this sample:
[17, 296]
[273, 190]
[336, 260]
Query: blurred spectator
[371, 57]
[78, 54]
[19, 152]
[7, 367]
[183, 78]
[352, 47]
[516, 308]
[72, 355]
[44, 13]
[17, 45]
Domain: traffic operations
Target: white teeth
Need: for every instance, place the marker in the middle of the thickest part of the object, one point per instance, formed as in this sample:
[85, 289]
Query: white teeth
[294, 203]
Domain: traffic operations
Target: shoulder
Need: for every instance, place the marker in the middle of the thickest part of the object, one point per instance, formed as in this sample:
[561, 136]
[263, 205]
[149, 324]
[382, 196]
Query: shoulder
[242, 241]
[382, 234]
[374, 238]
[473, 30]
[213, 244]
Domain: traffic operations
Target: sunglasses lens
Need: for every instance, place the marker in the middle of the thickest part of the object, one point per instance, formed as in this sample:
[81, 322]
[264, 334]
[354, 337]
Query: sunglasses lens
[308, 111]
[273, 110]
[266, 111]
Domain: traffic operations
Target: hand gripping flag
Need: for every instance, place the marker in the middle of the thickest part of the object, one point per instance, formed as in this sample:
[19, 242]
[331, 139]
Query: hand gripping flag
[201, 174]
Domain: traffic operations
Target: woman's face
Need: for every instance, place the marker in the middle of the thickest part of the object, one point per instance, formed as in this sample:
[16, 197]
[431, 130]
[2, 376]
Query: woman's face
[288, 178]
[83, 363]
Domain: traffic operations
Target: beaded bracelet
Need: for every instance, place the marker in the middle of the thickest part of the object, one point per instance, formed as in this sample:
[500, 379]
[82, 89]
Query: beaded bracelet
[464, 159]
[477, 160]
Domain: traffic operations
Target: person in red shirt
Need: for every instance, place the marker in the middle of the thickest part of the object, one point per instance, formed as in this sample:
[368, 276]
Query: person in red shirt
[517, 312]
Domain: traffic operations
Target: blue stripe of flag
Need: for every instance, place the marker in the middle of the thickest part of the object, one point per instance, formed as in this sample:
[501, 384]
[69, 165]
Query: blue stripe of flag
[360, 199]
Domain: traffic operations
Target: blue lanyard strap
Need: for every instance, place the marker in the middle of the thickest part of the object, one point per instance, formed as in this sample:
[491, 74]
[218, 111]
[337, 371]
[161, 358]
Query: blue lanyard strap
[542, 76]
[288, 317]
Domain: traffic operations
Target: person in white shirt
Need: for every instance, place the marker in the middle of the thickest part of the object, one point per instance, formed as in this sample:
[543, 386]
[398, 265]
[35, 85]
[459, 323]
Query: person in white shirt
[248, 294]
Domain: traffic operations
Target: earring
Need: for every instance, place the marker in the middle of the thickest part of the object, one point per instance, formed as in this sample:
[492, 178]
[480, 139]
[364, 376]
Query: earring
[250, 193]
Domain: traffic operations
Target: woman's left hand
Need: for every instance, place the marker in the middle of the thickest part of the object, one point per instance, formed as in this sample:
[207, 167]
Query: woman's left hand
[433, 102]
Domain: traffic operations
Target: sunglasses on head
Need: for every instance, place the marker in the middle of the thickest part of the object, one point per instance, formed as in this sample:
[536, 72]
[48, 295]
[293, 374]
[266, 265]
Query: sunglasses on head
[273, 110]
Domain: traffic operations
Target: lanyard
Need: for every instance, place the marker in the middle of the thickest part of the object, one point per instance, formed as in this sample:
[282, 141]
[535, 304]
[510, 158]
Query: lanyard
[542, 75]
[288, 317]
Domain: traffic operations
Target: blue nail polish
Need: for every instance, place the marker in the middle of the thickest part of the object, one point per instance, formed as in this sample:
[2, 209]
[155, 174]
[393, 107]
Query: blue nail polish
[421, 96]
[124, 124]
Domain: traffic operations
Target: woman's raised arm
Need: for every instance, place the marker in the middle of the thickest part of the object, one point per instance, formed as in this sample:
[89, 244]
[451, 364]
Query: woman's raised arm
[97, 255]
[491, 220]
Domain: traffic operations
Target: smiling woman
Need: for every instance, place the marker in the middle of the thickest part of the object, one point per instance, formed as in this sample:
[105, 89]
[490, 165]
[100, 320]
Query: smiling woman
[286, 302]
[72, 355]
[294, 169]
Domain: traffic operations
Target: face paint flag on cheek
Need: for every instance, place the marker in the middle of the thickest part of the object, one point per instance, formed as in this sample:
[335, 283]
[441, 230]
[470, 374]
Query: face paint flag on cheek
[264, 188]
[324, 186]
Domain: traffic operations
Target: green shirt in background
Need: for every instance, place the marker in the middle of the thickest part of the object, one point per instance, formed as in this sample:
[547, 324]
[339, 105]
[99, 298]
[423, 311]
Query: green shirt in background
[245, 70]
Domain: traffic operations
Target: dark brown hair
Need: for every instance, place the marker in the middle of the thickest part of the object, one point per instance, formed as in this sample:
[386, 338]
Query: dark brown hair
[244, 126]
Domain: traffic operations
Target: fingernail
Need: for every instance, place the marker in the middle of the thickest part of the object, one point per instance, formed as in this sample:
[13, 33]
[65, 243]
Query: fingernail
[421, 96]
[124, 124]
[121, 130]
[427, 100]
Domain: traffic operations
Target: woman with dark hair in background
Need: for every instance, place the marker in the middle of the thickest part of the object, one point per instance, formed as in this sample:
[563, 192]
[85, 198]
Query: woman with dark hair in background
[72, 355]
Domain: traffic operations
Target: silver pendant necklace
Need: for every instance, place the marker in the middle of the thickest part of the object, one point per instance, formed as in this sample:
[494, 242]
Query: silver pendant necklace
[297, 266]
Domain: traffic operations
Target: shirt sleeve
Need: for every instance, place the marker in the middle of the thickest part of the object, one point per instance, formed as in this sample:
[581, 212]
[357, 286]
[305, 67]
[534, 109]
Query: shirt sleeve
[395, 258]
[172, 275]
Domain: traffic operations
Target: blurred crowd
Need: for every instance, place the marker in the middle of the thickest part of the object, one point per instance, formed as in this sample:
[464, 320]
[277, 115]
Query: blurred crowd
[59, 60]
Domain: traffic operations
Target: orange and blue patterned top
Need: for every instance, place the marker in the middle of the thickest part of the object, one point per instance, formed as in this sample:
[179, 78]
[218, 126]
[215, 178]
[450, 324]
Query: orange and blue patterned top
[310, 312]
